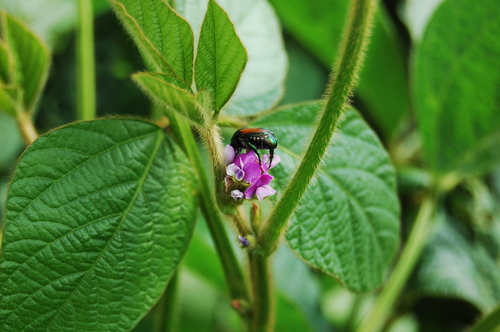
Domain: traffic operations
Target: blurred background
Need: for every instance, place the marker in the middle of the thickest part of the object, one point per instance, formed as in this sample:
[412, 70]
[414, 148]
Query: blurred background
[458, 276]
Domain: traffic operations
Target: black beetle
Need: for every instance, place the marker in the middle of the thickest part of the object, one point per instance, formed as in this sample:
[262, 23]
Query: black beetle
[255, 139]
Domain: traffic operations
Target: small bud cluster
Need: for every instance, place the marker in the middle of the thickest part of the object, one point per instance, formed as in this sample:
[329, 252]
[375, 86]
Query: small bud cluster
[245, 177]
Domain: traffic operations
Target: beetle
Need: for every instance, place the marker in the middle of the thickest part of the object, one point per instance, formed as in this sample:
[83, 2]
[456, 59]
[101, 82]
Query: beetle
[255, 139]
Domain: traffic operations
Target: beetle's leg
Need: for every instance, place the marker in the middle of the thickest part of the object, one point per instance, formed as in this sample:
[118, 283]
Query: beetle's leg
[271, 156]
[254, 149]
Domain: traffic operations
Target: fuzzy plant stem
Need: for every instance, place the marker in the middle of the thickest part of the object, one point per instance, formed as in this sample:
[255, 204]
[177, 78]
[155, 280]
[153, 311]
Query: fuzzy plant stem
[377, 317]
[262, 310]
[86, 91]
[26, 127]
[232, 270]
[343, 79]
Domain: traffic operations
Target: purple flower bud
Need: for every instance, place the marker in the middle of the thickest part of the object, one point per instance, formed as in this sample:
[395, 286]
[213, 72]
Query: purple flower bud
[237, 195]
[243, 241]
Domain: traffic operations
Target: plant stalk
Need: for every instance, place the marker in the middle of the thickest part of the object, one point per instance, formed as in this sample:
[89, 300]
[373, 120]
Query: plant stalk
[381, 309]
[86, 91]
[262, 309]
[27, 128]
[232, 270]
[351, 53]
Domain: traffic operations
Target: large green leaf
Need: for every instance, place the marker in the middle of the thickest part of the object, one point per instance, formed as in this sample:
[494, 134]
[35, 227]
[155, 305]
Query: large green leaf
[30, 59]
[98, 216]
[347, 222]
[221, 57]
[456, 80]
[454, 266]
[164, 38]
[261, 84]
[383, 88]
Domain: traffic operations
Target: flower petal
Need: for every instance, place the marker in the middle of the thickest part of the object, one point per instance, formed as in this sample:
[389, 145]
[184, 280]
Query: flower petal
[232, 169]
[240, 175]
[265, 161]
[264, 191]
[229, 154]
[263, 180]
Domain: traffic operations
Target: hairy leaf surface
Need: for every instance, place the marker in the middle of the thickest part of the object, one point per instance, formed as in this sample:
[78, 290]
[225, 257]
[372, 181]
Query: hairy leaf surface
[346, 224]
[164, 38]
[168, 91]
[256, 24]
[221, 57]
[97, 218]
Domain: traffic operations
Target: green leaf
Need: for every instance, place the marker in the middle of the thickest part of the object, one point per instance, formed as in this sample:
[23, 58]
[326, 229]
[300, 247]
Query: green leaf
[30, 59]
[261, 85]
[164, 38]
[383, 87]
[11, 142]
[6, 65]
[456, 80]
[176, 99]
[221, 56]
[454, 266]
[289, 317]
[98, 216]
[347, 222]
[10, 100]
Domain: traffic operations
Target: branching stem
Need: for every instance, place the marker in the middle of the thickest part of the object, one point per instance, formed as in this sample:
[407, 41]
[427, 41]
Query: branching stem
[343, 79]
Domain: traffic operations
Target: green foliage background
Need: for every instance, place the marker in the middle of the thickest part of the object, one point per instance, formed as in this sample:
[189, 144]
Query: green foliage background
[429, 88]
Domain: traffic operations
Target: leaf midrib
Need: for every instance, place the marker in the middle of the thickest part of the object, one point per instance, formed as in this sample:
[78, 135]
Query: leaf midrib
[71, 171]
[118, 228]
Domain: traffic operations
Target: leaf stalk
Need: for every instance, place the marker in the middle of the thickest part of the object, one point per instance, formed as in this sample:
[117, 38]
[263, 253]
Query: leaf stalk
[380, 310]
[86, 91]
[262, 310]
[343, 79]
[27, 128]
[232, 270]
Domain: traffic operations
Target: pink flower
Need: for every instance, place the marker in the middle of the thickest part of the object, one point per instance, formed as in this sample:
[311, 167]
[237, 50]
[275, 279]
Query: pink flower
[244, 168]
[244, 171]
[260, 188]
